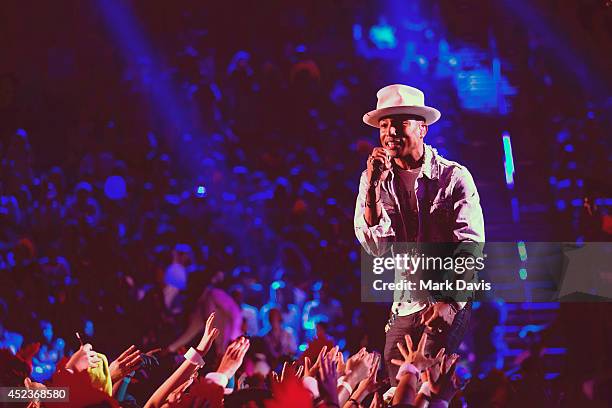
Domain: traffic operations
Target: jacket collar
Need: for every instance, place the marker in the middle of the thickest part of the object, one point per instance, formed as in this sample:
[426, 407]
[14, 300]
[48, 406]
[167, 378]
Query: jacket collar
[430, 167]
[430, 163]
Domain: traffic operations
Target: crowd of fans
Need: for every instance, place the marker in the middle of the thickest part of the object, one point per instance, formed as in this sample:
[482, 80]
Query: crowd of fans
[106, 231]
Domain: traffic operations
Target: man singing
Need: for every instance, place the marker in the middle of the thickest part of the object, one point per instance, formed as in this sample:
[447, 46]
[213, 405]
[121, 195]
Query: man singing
[409, 193]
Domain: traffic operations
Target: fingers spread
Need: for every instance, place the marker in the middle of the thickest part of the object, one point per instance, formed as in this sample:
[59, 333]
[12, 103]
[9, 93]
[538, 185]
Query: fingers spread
[397, 362]
[402, 350]
[307, 364]
[421, 346]
[322, 354]
[409, 343]
[126, 352]
[136, 360]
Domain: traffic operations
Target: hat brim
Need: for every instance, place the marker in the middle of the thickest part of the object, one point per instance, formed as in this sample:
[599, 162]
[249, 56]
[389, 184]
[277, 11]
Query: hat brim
[430, 114]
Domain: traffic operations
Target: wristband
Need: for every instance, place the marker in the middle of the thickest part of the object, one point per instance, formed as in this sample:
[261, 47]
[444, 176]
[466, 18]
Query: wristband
[405, 369]
[425, 389]
[194, 357]
[347, 387]
[311, 385]
[218, 378]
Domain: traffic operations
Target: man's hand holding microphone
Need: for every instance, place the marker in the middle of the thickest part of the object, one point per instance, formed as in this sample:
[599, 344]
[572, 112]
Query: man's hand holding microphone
[378, 168]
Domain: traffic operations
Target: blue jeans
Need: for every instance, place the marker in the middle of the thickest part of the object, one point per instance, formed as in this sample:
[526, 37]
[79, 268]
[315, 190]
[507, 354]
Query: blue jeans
[450, 337]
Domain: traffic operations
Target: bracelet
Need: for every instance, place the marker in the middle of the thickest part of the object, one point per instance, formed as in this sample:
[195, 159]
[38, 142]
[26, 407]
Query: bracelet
[425, 390]
[372, 206]
[194, 357]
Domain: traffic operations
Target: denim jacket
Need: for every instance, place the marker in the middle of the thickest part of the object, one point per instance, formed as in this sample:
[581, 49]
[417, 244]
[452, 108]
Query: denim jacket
[448, 207]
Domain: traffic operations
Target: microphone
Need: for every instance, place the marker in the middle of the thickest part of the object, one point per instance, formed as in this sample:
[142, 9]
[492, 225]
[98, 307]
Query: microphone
[378, 164]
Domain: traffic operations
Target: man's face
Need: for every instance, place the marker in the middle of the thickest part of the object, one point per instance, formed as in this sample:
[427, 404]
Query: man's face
[401, 134]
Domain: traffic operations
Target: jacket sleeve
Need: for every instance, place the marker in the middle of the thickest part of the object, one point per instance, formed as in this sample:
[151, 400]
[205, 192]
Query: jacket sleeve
[468, 228]
[375, 239]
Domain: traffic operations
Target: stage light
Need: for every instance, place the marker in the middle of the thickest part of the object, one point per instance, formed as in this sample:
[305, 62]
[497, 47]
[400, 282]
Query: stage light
[522, 250]
[562, 136]
[383, 36]
[508, 159]
[115, 188]
[201, 191]
[277, 285]
[523, 273]
[565, 183]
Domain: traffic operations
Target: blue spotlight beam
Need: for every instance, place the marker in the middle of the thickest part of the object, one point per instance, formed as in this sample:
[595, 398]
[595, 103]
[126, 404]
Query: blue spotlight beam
[135, 48]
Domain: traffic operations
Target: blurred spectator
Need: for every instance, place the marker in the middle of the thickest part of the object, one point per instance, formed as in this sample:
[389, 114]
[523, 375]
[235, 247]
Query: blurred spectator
[50, 353]
[280, 341]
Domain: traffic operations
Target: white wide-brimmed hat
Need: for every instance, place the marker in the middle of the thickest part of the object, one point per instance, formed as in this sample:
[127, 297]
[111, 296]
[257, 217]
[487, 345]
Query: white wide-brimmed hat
[401, 99]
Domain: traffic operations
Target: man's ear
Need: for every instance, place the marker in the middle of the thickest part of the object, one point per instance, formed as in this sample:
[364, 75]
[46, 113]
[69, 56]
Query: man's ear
[423, 130]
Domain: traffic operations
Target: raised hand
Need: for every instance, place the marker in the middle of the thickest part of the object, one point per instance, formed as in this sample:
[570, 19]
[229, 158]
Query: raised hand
[352, 359]
[341, 365]
[233, 357]
[209, 336]
[370, 383]
[127, 362]
[361, 366]
[310, 370]
[444, 386]
[328, 379]
[291, 370]
[83, 359]
[415, 356]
